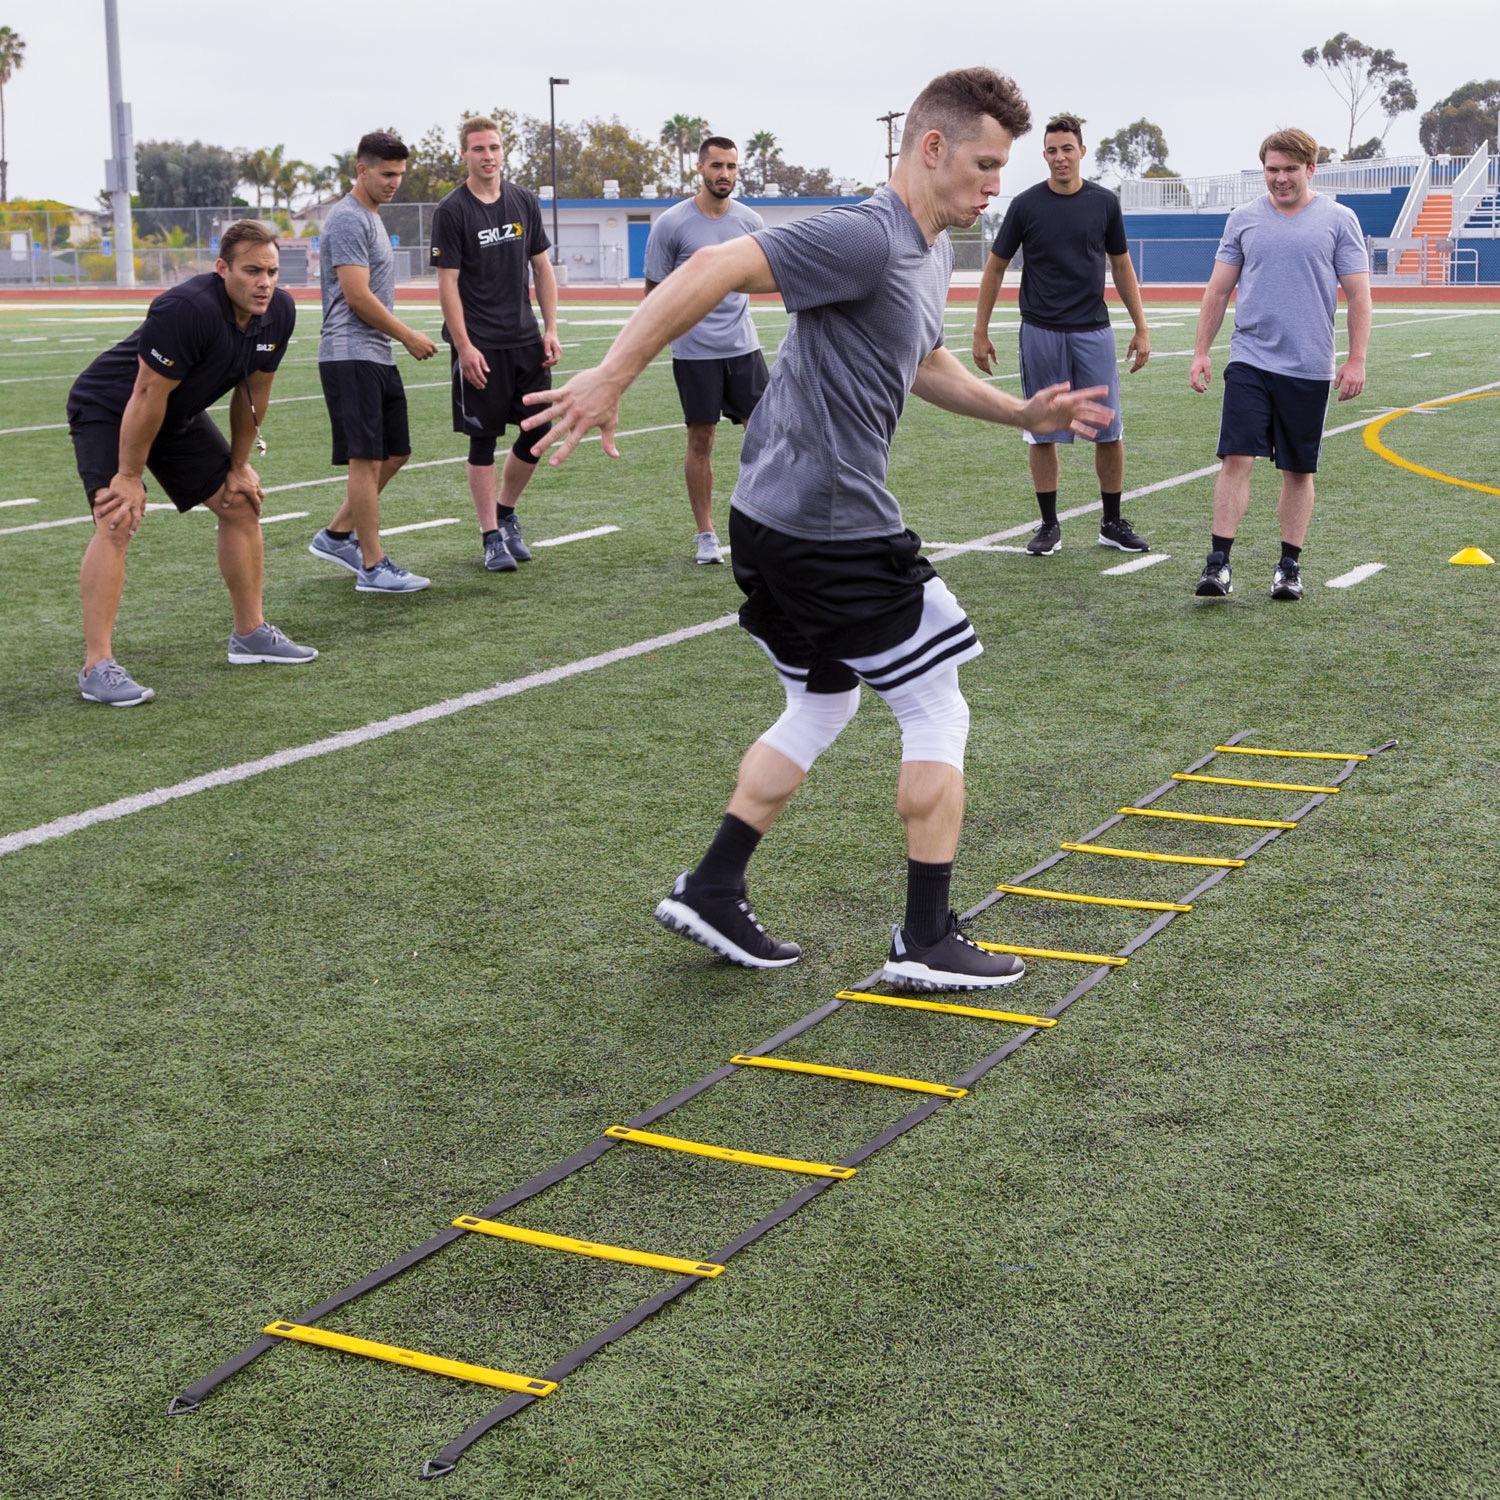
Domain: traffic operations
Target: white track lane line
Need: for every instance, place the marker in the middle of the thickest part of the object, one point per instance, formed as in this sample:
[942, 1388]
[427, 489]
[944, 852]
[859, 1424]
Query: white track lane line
[1354, 575]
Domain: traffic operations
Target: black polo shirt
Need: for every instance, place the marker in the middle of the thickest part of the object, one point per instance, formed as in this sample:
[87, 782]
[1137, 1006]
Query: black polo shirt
[189, 336]
[490, 245]
[1067, 238]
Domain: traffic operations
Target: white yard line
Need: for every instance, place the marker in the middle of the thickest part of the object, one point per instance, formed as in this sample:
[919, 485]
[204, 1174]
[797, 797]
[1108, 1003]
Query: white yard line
[1354, 575]
[1135, 564]
[418, 526]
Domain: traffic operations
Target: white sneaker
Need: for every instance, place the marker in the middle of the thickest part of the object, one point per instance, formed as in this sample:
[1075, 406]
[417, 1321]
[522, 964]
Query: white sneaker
[709, 550]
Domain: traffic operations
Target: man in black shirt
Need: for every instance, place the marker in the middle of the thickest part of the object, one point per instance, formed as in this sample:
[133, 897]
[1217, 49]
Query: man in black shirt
[143, 405]
[1068, 229]
[485, 234]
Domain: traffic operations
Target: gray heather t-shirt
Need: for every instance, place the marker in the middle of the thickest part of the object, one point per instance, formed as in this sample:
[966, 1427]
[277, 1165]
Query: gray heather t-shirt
[728, 330]
[353, 236]
[1289, 284]
[866, 293]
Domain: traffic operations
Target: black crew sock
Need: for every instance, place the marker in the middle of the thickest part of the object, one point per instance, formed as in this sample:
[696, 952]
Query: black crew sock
[337, 536]
[1287, 550]
[503, 513]
[927, 889]
[1046, 502]
[1223, 544]
[1111, 499]
[723, 867]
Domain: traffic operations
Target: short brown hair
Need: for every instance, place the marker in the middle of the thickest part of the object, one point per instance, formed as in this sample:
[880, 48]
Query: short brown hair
[249, 232]
[1065, 124]
[1294, 143]
[472, 126]
[955, 102]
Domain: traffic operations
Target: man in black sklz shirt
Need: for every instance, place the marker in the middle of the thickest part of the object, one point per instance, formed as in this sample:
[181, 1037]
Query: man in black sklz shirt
[143, 405]
[485, 235]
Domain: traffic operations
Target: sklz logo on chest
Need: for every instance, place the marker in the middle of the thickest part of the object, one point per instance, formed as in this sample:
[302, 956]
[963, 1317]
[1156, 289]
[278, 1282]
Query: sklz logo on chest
[265, 348]
[500, 235]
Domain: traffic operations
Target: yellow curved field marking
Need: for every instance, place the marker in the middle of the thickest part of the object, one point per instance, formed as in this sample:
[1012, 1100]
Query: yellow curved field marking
[1373, 443]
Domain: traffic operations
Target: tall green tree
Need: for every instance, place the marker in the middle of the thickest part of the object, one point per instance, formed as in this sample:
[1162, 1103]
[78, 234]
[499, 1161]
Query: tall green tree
[1140, 149]
[174, 175]
[1363, 77]
[12, 52]
[1463, 123]
[684, 134]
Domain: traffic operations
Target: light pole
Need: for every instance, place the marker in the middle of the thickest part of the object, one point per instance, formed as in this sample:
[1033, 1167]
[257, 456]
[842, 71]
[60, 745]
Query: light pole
[889, 121]
[119, 170]
[552, 87]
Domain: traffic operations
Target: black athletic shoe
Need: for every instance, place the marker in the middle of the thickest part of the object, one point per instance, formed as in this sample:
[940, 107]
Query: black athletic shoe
[954, 962]
[1047, 542]
[1122, 535]
[727, 925]
[1287, 581]
[1215, 583]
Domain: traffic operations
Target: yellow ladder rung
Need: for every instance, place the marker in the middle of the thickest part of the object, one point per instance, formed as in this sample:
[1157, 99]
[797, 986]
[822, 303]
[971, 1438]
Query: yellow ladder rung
[724, 1153]
[705, 1268]
[1046, 895]
[884, 1079]
[1288, 754]
[480, 1374]
[946, 1009]
[1077, 958]
[1269, 786]
[1151, 812]
[1166, 859]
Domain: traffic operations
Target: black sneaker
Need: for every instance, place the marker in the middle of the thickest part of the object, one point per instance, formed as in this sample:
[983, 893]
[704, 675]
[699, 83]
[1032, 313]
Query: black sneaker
[1047, 542]
[1214, 583]
[726, 924]
[1287, 580]
[1122, 535]
[954, 962]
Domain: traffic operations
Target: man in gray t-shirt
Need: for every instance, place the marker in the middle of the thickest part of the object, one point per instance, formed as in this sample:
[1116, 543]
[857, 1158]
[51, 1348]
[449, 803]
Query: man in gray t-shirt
[1289, 253]
[836, 592]
[717, 364]
[366, 400]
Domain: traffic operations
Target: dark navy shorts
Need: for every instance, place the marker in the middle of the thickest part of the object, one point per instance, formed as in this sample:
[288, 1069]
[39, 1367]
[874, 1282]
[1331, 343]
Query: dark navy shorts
[710, 388]
[366, 409]
[1279, 417]
[190, 462]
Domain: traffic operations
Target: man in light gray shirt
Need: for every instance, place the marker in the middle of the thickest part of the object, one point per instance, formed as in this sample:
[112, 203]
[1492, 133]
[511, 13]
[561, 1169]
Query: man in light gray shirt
[1289, 252]
[366, 400]
[717, 364]
[837, 592]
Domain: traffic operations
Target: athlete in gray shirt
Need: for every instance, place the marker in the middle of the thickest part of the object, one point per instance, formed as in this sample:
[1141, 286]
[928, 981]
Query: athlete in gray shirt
[836, 591]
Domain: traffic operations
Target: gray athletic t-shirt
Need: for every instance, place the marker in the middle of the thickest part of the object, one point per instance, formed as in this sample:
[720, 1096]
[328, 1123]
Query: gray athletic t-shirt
[866, 293]
[353, 236]
[1289, 282]
[728, 330]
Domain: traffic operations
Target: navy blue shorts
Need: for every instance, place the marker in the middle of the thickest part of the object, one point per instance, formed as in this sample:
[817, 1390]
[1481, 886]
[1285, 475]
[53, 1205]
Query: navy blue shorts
[366, 409]
[1279, 417]
[730, 387]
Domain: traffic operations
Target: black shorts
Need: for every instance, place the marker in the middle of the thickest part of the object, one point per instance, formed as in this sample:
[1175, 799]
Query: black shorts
[711, 387]
[513, 372]
[1279, 417]
[190, 463]
[366, 409]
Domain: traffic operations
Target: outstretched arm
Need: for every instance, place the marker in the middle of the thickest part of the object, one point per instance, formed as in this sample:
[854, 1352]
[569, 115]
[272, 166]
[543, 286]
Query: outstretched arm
[944, 382]
[1210, 319]
[694, 289]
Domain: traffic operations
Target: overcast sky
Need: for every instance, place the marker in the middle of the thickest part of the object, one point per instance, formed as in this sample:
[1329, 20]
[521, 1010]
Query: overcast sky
[816, 73]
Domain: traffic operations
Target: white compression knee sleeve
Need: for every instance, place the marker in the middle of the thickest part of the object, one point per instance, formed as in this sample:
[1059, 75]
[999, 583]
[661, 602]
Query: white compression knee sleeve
[933, 716]
[811, 723]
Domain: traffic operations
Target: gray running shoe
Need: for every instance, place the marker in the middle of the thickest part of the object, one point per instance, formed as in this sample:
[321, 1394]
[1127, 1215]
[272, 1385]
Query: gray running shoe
[709, 550]
[108, 682]
[1286, 582]
[510, 529]
[954, 962]
[386, 578]
[1215, 582]
[266, 644]
[498, 558]
[1047, 541]
[346, 554]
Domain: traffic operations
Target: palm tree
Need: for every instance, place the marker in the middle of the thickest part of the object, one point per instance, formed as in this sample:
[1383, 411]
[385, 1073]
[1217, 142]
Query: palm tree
[683, 133]
[12, 50]
[761, 147]
[260, 168]
[290, 179]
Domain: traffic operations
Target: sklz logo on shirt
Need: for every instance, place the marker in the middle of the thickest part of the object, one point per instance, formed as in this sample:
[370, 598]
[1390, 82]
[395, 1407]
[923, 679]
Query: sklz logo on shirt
[265, 348]
[500, 235]
[162, 359]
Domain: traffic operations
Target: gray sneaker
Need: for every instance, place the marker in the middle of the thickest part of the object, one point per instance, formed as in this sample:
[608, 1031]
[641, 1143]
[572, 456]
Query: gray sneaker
[709, 550]
[266, 644]
[386, 578]
[346, 553]
[108, 682]
[510, 529]
[497, 554]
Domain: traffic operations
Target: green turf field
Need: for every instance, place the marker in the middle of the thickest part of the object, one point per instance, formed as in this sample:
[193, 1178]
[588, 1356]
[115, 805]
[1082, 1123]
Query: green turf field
[1228, 1230]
